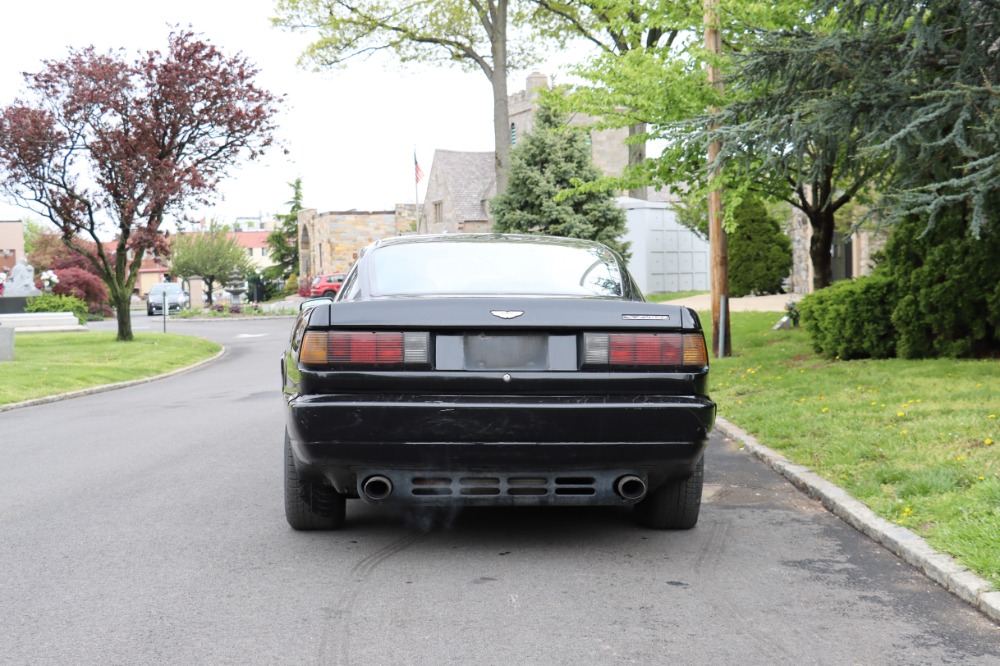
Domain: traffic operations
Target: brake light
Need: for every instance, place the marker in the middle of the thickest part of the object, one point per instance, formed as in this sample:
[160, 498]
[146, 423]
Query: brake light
[364, 348]
[645, 349]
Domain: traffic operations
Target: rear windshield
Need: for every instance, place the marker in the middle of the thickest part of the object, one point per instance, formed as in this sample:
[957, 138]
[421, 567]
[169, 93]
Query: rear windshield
[481, 268]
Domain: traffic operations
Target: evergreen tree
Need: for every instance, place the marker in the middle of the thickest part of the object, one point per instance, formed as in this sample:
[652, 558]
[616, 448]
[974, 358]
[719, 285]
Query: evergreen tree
[283, 242]
[760, 255]
[541, 198]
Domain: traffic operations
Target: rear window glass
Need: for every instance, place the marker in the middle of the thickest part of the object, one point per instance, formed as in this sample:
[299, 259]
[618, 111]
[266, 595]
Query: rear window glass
[480, 268]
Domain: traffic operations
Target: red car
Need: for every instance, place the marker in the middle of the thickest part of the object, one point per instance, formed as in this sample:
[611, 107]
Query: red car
[326, 285]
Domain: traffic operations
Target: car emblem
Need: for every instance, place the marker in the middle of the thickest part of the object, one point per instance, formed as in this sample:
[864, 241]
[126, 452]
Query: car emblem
[506, 314]
[644, 317]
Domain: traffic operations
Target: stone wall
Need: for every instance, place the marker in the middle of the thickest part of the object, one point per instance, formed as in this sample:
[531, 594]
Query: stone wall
[330, 242]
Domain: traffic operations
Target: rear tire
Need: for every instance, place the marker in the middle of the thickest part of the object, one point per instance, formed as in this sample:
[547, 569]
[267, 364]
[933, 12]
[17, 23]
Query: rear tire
[310, 505]
[329, 294]
[674, 505]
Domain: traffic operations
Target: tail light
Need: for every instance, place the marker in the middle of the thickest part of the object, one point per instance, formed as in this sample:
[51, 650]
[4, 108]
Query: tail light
[644, 350]
[350, 348]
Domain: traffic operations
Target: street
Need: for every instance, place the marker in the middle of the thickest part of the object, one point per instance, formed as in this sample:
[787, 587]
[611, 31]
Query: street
[146, 526]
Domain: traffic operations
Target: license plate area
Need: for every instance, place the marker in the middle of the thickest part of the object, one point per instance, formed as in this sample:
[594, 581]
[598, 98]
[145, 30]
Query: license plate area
[506, 351]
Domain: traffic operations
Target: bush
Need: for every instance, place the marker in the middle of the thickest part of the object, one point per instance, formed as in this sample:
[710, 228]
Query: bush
[852, 318]
[58, 303]
[291, 285]
[760, 255]
[949, 285]
[84, 285]
[304, 284]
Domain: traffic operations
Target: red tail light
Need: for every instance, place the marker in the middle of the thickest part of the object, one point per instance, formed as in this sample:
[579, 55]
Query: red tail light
[645, 350]
[342, 348]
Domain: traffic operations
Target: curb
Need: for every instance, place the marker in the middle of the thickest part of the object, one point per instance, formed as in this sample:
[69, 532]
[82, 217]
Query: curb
[906, 545]
[109, 387]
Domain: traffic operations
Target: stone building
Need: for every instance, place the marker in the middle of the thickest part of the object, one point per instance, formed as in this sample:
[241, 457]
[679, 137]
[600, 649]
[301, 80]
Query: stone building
[11, 243]
[459, 188]
[853, 254]
[608, 149]
[330, 242]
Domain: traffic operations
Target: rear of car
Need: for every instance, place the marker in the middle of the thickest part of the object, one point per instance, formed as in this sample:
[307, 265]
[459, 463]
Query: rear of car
[326, 285]
[495, 370]
[169, 292]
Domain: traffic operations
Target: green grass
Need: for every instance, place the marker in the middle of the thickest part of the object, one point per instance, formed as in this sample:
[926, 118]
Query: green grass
[672, 296]
[917, 441]
[49, 363]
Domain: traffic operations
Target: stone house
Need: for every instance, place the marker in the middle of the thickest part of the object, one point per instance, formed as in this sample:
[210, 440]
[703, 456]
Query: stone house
[459, 188]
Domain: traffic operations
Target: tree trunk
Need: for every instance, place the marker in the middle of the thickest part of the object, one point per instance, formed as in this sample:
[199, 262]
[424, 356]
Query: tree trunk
[820, 246]
[123, 302]
[636, 156]
[501, 116]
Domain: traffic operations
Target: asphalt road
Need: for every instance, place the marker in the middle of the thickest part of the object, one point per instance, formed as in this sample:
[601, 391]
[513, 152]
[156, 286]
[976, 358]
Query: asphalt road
[145, 526]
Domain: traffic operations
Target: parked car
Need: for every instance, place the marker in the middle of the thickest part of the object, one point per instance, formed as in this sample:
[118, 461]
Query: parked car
[326, 285]
[176, 298]
[483, 369]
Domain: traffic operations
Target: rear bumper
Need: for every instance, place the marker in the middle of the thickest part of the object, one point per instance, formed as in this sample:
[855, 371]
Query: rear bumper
[341, 436]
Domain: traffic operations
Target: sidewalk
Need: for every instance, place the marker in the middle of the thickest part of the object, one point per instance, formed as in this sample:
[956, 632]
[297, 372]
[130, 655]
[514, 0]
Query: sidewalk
[771, 303]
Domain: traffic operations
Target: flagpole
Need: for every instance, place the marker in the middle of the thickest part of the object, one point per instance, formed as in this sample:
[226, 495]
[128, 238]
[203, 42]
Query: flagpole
[416, 188]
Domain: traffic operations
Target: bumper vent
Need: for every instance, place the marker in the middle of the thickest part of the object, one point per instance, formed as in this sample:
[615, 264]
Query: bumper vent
[419, 487]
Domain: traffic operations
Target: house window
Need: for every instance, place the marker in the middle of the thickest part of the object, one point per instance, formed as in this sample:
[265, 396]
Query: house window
[438, 212]
[513, 134]
[250, 251]
[263, 251]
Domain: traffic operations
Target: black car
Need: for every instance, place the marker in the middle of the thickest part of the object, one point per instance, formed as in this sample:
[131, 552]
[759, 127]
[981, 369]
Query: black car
[484, 369]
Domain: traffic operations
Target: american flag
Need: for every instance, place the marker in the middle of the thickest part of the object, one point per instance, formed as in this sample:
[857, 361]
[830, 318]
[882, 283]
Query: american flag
[417, 171]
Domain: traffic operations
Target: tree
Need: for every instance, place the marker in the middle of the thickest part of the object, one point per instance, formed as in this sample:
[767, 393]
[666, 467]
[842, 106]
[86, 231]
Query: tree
[541, 199]
[214, 255]
[111, 147]
[760, 254]
[616, 28]
[283, 242]
[472, 33]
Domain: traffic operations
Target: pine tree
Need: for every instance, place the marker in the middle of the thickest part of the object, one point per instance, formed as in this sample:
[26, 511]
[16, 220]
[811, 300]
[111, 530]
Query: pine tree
[540, 198]
[283, 242]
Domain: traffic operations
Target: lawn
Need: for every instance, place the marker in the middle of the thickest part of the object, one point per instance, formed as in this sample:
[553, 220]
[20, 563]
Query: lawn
[672, 296]
[917, 441]
[50, 363]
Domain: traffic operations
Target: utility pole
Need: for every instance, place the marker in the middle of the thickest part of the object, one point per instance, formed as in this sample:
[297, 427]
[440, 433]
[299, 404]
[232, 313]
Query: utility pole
[718, 250]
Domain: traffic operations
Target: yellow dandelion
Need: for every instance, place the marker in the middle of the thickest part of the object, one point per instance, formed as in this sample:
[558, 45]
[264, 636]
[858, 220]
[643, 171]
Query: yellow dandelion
[987, 441]
[903, 432]
[900, 413]
[874, 403]
[959, 458]
[825, 410]
[981, 478]
[992, 416]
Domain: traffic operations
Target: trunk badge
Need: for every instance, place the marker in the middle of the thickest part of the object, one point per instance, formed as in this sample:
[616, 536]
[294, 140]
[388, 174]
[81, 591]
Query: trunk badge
[506, 314]
[644, 317]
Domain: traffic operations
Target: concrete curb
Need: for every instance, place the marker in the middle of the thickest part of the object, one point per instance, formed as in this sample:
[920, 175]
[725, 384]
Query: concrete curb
[908, 546]
[109, 387]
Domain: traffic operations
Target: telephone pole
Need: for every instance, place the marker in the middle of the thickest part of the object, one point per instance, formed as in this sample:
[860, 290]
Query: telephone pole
[718, 250]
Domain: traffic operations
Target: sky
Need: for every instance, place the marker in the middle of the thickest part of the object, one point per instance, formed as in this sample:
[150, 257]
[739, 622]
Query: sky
[350, 133]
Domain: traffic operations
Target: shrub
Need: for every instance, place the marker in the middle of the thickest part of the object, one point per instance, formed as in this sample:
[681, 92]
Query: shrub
[949, 286]
[291, 284]
[58, 303]
[852, 318]
[304, 284]
[84, 285]
[760, 255]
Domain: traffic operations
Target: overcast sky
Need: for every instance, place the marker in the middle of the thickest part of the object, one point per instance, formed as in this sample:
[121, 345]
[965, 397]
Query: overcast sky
[350, 133]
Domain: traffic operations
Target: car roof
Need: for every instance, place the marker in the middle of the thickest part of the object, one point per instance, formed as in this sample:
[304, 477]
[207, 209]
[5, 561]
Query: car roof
[487, 238]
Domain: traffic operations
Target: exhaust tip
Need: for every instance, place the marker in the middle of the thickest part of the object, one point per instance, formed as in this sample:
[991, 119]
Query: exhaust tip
[377, 488]
[630, 487]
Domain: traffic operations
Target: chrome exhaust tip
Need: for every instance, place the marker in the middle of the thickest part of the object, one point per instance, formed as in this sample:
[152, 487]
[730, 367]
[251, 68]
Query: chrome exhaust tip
[377, 488]
[630, 487]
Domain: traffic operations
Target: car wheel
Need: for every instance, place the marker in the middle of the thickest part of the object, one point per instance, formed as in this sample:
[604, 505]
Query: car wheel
[149, 312]
[329, 294]
[310, 505]
[674, 505]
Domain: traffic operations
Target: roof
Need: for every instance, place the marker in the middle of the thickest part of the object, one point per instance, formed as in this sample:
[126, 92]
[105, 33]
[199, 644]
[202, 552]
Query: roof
[470, 179]
[251, 238]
